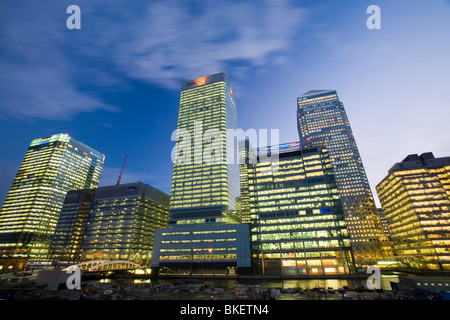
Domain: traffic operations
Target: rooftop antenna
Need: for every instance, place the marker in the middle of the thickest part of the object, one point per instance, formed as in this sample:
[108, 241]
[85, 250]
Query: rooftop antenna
[121, 171]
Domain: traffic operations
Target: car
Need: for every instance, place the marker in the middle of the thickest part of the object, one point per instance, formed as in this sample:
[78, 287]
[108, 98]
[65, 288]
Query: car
[331, 290]
[349, 288]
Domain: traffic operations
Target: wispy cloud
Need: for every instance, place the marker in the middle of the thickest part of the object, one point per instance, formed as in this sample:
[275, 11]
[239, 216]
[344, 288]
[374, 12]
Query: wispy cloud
[42, 92]
[36, 76]
[47, 68]
[175, 40]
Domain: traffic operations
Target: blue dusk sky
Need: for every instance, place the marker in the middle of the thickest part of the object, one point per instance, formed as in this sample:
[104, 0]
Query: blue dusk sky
[115, 83]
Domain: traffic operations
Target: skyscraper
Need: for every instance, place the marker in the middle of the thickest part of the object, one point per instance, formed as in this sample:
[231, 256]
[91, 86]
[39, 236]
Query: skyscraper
[70, 229]
[246, 153]
[205, 235]
[204, 182]
[322, 121]
[415, 198]
[52, 166]
[297, 221]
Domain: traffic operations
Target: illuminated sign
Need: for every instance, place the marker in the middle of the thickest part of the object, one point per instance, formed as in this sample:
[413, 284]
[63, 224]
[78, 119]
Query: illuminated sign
[196, 82]
[204, 81]
[45, 141]
[96, 155]
[287, 145]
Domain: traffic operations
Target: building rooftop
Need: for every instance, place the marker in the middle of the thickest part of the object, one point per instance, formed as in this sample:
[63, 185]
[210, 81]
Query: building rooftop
[425, 160]
[313, 92]
[132, 189]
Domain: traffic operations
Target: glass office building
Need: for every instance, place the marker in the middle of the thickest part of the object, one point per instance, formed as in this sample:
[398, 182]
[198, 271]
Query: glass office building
[122, 222]
[322, 121]
[52, 166]
[246, 152]
[205, 234]
[213, 249]
[70, 230]
[415, 198]
[297, 221]
[204, 182]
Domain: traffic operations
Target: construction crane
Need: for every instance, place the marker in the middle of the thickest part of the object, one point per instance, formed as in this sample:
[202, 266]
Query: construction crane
[121, 171]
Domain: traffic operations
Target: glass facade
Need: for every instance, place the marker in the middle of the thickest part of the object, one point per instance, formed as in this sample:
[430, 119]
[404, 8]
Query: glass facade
[204, 183]
[322, 121]
[297, 221]
[202, 249]
[70, 230]
[205, 234]
[122, 222]
[52, 166]
[246, 152]
[415, 197]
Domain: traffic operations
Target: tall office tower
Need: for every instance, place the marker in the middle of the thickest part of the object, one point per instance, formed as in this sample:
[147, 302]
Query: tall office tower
[297, 221]
[70, 230]
[322, 121]
[246, 152]
[52, 166]
[122, 222]
[415, 197]
[204, 182]
[205, 235]
[383, 222]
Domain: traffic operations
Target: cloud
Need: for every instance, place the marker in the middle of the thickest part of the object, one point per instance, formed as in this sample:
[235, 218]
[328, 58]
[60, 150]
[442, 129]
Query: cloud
[45, 93]
[36, 80]
[49, 72]
[174, 40]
